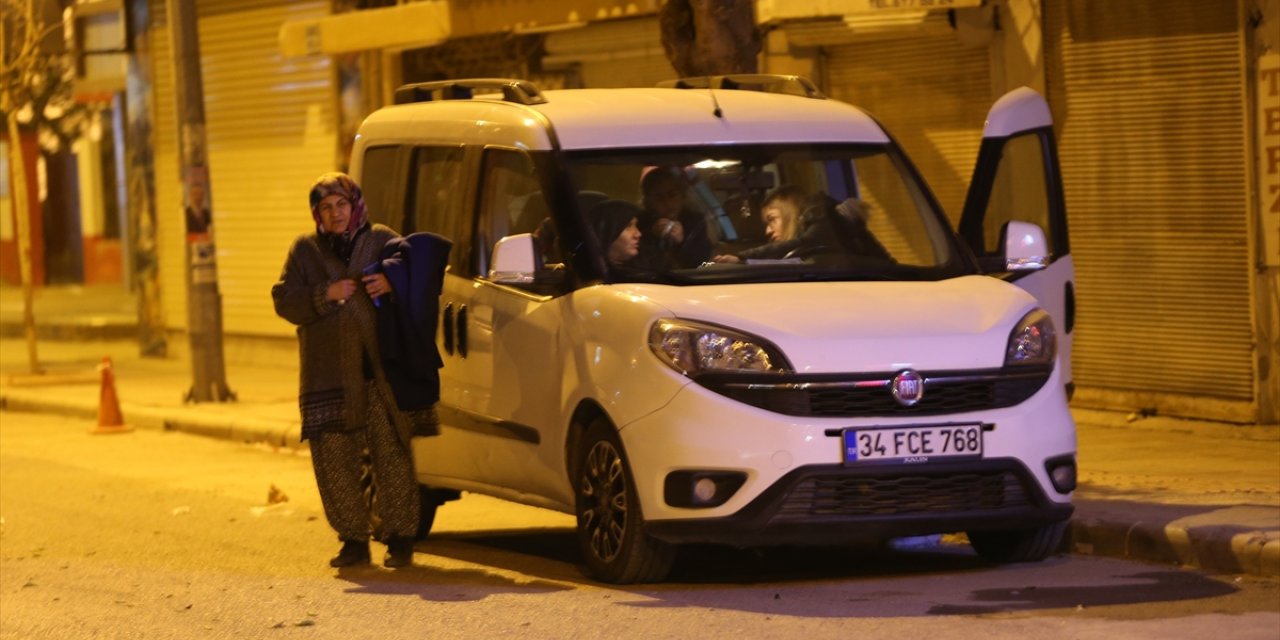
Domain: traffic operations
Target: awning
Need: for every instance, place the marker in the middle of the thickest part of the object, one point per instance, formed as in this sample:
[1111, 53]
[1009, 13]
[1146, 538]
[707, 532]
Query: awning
[405, 26]
[814, 23]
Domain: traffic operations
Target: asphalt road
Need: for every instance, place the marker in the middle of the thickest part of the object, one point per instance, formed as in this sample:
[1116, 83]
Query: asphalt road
[167, 535]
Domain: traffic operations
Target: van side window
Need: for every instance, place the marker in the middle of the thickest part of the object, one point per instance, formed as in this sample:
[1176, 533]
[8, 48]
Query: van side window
[436, 180]
[508, 183]
[383, 199]
[437, 194]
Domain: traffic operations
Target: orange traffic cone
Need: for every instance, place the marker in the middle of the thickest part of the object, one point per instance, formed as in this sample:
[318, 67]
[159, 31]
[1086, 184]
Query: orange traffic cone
[109, 418]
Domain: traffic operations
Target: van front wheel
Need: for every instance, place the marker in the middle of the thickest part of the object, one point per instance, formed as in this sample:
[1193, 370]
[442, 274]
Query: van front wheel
[1020, 545]
[614, 546]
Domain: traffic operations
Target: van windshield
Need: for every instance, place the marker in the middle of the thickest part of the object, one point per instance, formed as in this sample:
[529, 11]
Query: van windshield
[772, 213]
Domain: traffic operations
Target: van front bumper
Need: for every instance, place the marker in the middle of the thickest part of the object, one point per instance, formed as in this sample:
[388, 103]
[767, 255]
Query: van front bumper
[834, 504]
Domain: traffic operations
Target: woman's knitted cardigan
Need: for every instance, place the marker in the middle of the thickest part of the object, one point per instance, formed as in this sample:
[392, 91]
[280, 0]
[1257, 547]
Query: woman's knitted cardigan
[334, 339]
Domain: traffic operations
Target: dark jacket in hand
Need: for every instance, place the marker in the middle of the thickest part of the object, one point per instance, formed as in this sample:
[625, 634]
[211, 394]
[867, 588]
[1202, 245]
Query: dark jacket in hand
[414, 265]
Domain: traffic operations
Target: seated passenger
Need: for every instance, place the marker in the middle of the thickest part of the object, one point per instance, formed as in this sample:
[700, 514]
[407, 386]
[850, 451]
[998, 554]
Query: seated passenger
[616, 225]
[789, 225]
[674, 234]
[796, 225]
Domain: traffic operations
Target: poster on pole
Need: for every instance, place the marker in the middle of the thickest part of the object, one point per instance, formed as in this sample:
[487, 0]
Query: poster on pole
[196, 205]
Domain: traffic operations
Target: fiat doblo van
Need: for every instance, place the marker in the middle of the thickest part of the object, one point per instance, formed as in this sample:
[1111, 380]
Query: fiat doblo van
[807, 351]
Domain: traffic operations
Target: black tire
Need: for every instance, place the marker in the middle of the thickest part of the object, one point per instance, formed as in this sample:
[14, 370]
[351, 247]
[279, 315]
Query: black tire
[428, 502]
[615, 549]
[1019, 545]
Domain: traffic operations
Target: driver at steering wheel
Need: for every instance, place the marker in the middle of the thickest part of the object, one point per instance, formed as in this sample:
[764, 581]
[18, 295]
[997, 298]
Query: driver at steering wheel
[793, 222]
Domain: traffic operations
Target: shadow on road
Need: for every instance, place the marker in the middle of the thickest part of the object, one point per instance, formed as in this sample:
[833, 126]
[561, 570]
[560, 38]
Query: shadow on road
[442, 585]
[825, 582]
[1150, 586]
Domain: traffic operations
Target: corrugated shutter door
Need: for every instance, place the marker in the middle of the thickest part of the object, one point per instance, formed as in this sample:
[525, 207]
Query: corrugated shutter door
[270, 129]
[614, 53]
[931, 92]
[1149, 100]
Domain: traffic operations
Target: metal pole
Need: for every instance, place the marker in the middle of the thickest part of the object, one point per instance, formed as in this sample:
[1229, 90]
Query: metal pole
[204, 303]
[139, 168]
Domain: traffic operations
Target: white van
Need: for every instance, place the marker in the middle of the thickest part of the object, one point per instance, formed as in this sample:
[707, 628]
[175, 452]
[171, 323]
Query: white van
[886, 375]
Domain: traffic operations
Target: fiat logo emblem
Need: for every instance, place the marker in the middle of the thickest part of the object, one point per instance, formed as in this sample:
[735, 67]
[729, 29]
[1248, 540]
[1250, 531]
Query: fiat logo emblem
[907, 387]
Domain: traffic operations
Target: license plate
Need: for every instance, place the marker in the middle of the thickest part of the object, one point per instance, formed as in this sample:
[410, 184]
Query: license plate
[913, 444]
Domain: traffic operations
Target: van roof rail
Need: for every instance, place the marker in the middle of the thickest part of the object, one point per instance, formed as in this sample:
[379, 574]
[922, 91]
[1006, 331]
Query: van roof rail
[766, 82]
[513, 90]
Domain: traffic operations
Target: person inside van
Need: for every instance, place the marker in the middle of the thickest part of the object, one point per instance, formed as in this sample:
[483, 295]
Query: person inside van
[616, 223]
[675, 234]
[788, 223]
[798, 225]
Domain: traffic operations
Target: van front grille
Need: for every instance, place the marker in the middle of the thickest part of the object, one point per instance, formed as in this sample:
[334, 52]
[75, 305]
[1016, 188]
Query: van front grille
[856, 496]
[870, 396]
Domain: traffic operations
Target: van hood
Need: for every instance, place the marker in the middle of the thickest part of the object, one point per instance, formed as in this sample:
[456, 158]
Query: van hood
[835, 327]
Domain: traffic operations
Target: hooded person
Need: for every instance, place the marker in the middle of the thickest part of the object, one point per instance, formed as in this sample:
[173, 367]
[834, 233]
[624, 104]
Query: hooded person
[345, 401]
[615, 223]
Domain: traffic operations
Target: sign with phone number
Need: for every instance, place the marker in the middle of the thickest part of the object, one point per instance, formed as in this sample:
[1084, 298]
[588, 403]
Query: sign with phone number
[767, 10]
[912, 444]
[920, 4]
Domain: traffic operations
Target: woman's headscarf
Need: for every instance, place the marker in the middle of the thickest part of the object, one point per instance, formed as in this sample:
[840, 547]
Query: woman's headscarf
[341, 184]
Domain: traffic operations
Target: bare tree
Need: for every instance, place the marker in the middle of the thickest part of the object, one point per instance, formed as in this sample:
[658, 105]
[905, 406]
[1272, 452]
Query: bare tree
[710, 37]
[36, 76]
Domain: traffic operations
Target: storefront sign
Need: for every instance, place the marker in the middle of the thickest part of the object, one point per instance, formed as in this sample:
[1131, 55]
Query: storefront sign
[769, 10]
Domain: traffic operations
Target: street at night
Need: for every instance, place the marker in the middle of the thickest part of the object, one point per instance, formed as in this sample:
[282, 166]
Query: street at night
[902, 319]
[167, 535]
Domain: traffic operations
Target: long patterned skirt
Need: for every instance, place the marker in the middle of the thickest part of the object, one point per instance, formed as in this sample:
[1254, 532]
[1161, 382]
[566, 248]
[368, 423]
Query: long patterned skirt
[341, 475]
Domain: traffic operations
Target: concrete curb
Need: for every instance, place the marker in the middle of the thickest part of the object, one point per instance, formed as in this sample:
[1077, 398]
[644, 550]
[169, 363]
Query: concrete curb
[74, 331]
[277, 433]
[1219, 539]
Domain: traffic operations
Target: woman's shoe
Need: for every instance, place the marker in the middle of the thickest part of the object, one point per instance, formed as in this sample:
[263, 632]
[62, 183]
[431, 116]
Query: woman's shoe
[353, 553]
[399, 552]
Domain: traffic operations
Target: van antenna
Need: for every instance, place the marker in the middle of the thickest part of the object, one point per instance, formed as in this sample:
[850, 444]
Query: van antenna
[717, 112]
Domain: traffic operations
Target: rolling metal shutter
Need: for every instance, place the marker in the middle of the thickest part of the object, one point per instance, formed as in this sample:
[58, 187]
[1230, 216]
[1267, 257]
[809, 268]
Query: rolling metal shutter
[1149, 99]
[612, 53]
[931, 92]
[270, 126]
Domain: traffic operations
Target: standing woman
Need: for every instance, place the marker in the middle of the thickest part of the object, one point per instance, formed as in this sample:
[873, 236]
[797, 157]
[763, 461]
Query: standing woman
[345, 400]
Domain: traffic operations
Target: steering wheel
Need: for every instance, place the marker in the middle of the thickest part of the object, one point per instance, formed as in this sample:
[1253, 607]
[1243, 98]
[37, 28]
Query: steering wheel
[809, 251]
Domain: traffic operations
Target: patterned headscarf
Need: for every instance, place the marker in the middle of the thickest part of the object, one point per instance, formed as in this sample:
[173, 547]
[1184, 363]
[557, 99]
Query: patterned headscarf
[341, 184]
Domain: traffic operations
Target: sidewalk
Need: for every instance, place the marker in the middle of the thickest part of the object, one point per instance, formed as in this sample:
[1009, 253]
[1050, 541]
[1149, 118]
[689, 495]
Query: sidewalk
[1156, 489]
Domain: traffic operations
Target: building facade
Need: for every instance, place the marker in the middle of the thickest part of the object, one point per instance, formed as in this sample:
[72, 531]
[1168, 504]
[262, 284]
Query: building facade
[1167, 113]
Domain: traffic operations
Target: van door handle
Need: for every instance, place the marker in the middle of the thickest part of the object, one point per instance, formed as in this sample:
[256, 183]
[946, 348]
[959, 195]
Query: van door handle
[1069, 298]
[446, 323]
[462, 330]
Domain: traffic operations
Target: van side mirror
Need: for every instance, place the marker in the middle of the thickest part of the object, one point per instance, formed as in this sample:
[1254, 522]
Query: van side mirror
[1025, 247]
[514, 260]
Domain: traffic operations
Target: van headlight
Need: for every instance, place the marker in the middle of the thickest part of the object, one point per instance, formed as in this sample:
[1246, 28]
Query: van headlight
[1033, 341]
[692, 348]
